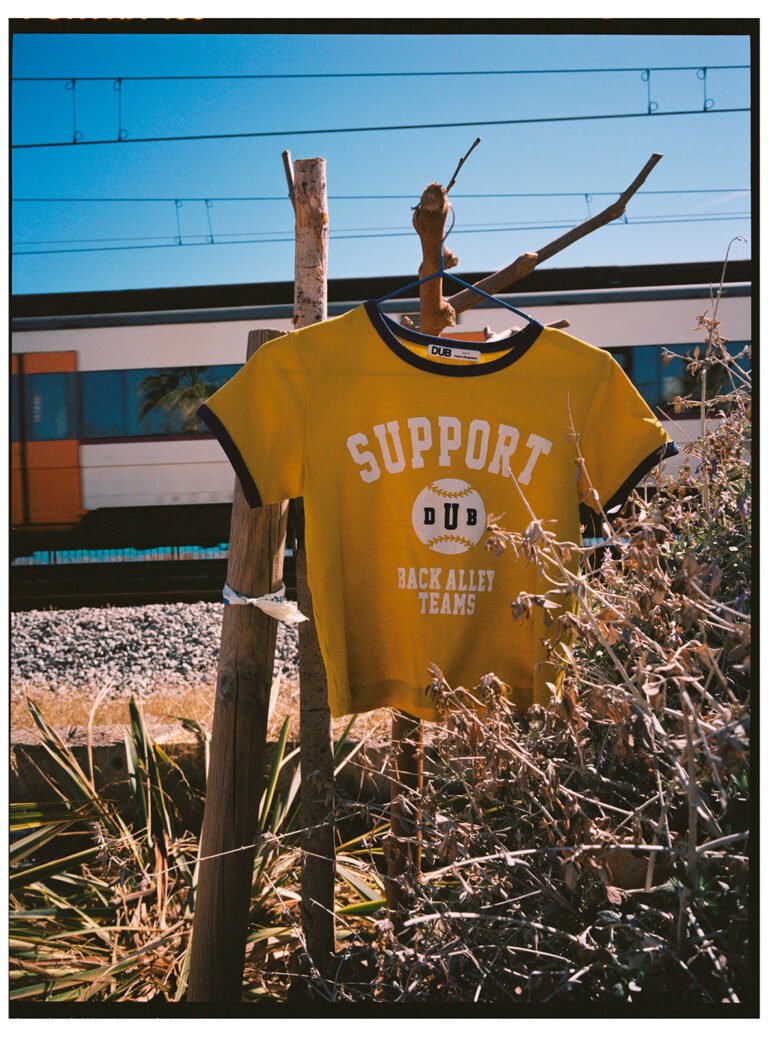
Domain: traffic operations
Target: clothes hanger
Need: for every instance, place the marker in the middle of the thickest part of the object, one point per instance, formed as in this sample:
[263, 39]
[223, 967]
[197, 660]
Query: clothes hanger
[442, 272]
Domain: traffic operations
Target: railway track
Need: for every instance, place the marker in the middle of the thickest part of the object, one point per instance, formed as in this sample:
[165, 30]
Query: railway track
[121, 583]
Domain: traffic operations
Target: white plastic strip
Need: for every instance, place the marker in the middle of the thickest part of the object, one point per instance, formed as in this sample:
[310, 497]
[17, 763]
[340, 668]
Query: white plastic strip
[273, 605]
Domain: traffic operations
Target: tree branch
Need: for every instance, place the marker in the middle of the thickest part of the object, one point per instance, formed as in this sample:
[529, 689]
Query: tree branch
[429, 223]
[525, 263]
[461, 163]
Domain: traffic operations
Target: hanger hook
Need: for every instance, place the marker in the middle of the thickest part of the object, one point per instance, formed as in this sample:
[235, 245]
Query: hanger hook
[453, 221]
[445, 236]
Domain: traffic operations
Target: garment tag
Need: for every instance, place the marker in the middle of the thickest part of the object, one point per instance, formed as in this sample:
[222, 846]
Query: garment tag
[453, 352]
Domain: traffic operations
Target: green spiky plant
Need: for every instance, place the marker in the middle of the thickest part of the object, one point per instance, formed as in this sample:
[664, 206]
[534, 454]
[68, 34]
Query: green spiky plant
[111, 919]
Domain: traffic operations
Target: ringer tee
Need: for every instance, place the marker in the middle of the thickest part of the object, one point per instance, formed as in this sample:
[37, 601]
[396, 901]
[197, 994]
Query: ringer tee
[403, 445]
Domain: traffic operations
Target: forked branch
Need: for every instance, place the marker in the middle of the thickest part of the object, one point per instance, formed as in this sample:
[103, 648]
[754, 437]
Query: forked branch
[528, 261]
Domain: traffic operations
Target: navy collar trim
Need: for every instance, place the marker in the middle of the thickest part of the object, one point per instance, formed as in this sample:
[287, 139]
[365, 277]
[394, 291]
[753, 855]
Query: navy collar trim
[391, 332]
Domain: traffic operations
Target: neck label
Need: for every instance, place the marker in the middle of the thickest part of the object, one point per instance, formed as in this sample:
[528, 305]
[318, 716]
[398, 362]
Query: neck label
[452, 352]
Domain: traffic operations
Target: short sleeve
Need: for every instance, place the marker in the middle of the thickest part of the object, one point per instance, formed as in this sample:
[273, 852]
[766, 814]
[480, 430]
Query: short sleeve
[621, 441]
[259, 418]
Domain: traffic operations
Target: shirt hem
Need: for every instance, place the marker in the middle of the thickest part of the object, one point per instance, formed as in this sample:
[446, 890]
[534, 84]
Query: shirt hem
[392, 701]
[407, 701]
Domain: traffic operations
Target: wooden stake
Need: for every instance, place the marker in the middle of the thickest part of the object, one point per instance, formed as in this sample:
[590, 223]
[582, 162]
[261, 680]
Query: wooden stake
[403, 844]
[317, 781]
[238, 748]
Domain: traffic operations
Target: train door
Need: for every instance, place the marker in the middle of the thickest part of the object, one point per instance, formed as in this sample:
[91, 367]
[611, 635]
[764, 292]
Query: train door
[45, 459]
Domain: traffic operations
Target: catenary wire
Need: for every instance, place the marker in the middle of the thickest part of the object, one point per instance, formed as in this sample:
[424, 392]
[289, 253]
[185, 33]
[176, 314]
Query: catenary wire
[637, 221]
[381, 197]
[378, 129]
[376, 75]
[493, 225]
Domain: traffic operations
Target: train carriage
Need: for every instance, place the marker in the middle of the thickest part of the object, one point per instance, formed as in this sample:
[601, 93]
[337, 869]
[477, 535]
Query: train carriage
[107, 451]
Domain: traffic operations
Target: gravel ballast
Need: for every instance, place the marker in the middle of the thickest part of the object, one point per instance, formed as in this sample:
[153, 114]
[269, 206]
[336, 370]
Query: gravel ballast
[143, 648]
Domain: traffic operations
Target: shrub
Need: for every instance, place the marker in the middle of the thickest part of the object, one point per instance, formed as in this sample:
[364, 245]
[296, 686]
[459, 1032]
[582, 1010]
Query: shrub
[597, 849]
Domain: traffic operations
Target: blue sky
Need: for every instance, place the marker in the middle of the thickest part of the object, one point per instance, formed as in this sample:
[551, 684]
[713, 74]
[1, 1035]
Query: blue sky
[701, 151]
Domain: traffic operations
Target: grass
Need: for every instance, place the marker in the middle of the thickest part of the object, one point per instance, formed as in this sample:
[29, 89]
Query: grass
[72, 708]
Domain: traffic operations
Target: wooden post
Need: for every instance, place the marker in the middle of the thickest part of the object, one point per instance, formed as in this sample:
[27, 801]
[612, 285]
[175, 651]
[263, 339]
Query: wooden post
[403, 843]
[317, 782]
[238, 744]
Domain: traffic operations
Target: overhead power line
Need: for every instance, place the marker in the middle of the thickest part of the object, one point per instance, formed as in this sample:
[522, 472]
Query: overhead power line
[381, 129]
[175, 243]
[380, 197]
[465, 228]
[376, 75]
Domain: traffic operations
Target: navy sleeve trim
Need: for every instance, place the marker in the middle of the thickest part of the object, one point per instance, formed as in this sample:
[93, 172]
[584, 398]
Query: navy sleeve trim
[618, 498]
[593, 521]
[250, 490]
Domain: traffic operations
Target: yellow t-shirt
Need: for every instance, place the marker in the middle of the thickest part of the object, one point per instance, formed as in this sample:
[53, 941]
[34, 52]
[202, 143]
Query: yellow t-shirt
[402, 445]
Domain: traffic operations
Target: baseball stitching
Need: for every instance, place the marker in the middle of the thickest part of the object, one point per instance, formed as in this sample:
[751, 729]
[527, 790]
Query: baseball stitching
[450, 538]
[450, 493]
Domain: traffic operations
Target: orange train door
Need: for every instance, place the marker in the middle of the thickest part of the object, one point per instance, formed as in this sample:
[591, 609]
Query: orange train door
[45, 459]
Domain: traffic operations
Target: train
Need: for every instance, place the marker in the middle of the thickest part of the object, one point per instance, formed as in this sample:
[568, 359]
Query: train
[107, 451]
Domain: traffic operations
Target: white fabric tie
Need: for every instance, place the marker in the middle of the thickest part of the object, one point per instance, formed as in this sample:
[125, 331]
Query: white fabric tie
[273, 605]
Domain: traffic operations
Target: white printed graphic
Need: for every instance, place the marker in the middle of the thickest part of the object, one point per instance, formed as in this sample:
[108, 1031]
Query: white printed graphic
[449, 516]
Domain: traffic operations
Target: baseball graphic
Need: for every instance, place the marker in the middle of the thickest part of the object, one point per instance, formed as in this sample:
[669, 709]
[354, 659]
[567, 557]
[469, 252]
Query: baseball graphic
[448, 516]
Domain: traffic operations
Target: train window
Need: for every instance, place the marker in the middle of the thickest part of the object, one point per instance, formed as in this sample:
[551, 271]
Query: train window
[155, 403]
[102, 406]
[647, 368]
[623, 357]
[50, 405]
[164, 402]
[659, 383]
[148, 401]
[680, 382]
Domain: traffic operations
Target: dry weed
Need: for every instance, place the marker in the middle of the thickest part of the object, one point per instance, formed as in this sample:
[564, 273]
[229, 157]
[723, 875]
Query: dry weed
[597, 849]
